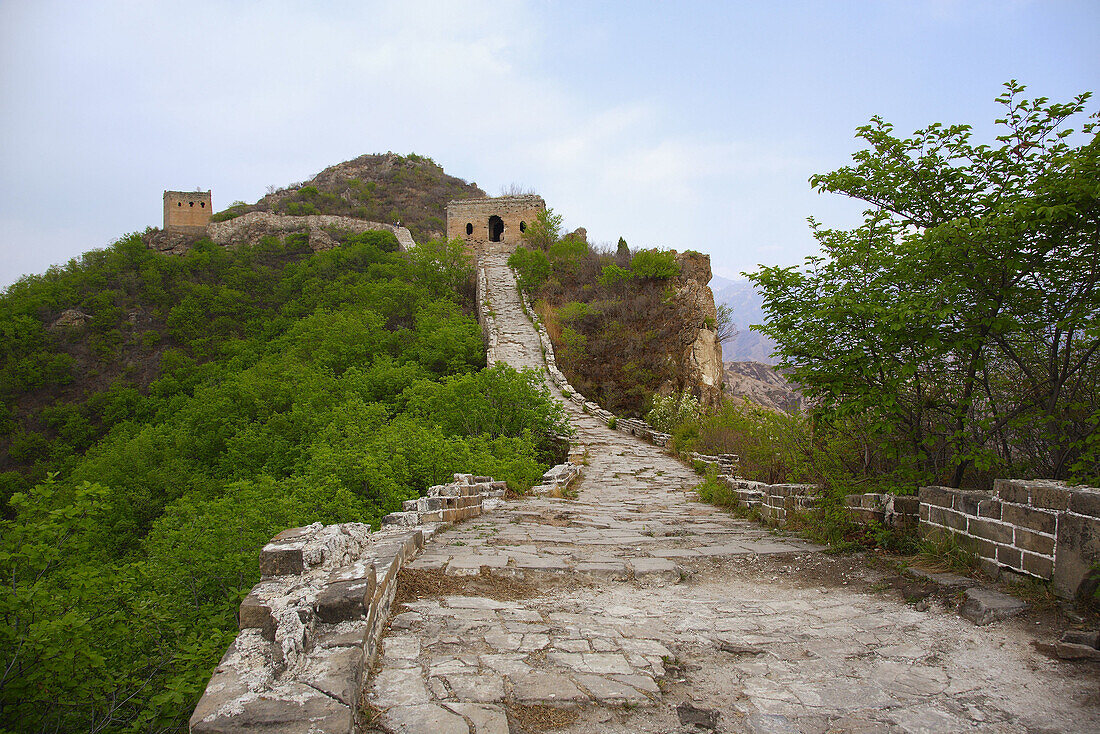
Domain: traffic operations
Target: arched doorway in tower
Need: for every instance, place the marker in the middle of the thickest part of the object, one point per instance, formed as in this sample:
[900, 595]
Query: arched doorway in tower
[496, 228]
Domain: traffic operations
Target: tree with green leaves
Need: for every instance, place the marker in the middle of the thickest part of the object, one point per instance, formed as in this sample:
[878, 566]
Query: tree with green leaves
[544, 231]
[960, 323]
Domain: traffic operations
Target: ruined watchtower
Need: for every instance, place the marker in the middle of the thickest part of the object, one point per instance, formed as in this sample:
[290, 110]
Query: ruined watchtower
[187, 211]
[492, 224]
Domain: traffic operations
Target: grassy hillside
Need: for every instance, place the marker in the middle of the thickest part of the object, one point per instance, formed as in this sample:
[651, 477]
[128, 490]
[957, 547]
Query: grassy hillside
[185, 409]
[411, 190]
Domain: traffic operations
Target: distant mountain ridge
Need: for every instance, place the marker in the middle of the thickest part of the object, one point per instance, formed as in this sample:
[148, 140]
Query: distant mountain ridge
[748, 309]
[761, 384]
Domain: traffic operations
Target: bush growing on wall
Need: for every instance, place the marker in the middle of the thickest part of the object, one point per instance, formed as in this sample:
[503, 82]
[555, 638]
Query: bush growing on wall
[656, 264]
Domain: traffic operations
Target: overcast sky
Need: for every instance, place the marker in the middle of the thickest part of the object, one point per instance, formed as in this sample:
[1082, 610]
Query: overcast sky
[676, 124]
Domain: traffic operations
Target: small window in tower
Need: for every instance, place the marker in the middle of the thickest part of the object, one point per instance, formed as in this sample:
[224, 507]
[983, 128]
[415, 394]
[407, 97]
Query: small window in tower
[190, 203]
[469, 229]
[523, 226]
[202, 204]
[179, 203]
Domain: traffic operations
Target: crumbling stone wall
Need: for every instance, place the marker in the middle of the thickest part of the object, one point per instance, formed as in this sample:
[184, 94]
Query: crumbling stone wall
[475, 221]
[187, 211]
[248, 228]
[1038, 527]
[310, 629]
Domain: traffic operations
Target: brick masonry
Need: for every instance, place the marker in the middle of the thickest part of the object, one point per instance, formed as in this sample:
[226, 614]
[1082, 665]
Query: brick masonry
[1038, 527]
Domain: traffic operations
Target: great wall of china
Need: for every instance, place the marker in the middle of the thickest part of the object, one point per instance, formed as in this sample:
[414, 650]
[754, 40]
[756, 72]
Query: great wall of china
[636, 608]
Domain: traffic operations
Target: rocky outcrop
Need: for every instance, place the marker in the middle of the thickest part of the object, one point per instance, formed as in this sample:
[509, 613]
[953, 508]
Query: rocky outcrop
[701, 353]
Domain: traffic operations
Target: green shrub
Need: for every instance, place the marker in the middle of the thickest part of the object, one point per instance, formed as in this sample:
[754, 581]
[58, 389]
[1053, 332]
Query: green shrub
[612, 275]
[532, 268]
[656, 264]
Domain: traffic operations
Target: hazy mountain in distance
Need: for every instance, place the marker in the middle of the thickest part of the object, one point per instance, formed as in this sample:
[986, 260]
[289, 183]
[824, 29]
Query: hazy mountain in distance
[748, 345]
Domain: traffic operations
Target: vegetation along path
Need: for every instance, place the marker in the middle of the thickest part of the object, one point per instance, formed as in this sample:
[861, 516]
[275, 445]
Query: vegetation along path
[636, 608]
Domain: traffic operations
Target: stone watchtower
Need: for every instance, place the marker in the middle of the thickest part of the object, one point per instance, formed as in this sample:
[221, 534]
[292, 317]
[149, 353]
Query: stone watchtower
[187, 211]
[492, 224]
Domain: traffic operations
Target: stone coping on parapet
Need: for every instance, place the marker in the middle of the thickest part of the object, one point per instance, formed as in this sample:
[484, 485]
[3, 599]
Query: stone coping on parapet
[521, 201]
[311, 628]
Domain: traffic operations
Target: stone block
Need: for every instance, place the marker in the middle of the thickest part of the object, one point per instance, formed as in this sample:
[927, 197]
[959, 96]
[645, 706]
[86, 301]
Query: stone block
[401, 519]
[854, 500]
[1028, 517]
[385, 568]
[1050, 495]
[255, 610]
[990, 530]
[1029, 541]
[938, 496]
[654, 570]
[1078, 550]
[984, 606]
[967, 502]
[1085, 501]
[282, 556]
[1012, 490]
[954, 520]
[906, 505]
[1010, 557]
[345, 600]
[1040, 566]
[336, 671]
[292, 708]
[422, 718]
[990, 508]
[611, 570]
[983, 548]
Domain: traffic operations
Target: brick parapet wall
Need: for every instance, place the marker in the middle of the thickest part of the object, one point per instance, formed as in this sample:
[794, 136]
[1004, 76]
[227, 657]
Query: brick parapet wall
[311, 628]
[1041, 528]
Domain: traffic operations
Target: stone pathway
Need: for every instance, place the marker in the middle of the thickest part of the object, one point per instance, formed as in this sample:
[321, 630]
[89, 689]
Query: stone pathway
[635, 608]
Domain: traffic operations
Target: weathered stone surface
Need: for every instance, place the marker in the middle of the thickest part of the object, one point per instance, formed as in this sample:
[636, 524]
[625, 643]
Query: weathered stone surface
[293, 709]
[984, 606]
[345, 600]
[1078, 550]
[654, 570]
[422, 719]
[486, 719]
[283, 555]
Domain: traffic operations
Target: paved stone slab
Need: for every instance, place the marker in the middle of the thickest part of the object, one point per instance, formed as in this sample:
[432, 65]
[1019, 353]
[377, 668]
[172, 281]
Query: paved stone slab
[486, 719]
[546, 688]
[649, 570]
[985, 606]
[423, 719]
